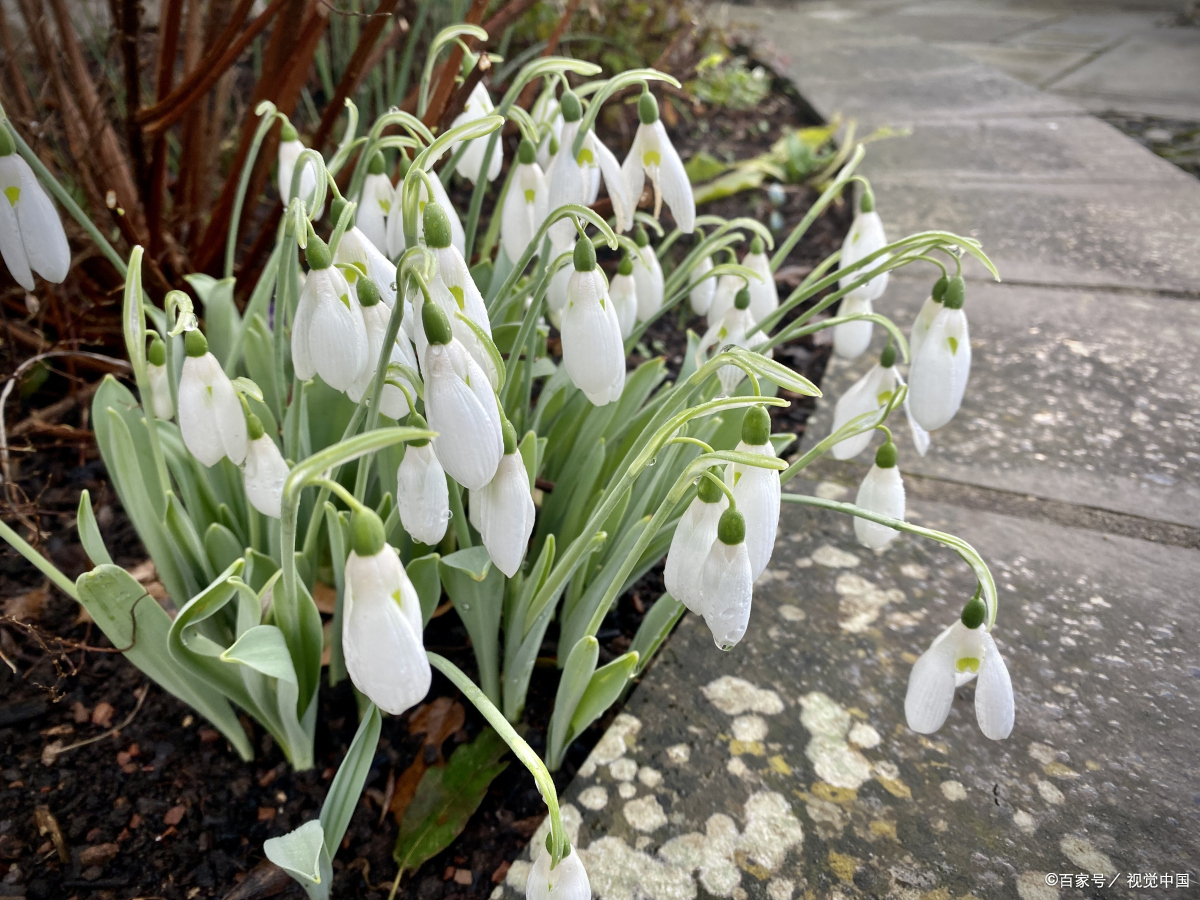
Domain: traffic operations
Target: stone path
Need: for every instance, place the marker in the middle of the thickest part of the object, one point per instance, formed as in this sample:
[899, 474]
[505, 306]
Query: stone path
[784, 769]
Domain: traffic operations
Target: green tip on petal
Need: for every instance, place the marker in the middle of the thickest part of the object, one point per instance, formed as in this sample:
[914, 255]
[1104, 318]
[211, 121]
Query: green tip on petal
[585, 255]
[196, 344]
[707, 490]
[867, 203]
[526, 153]
[731, 529]
[756, 426]
[435, 323]
[956, 293]
[742, 300]
[416, 420]
[377, 164]
[254, 427]
[571, 108]
[626, 266]
[640, 236]
[366, 533]
[886, 456]
[288, 132]
[368, 293]
[437, 225]
[157, 354]
[7, 146]
[939, 289]
[317, 253]
[647, 108]
[974, 612]
[757, 245]
[887, 358]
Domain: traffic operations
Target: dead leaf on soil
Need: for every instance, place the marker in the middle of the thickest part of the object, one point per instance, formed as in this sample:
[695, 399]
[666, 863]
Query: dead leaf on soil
[27, 607]
[437, 721]
[48, 825]
[325, 597]
[264, 880]
[103, 713]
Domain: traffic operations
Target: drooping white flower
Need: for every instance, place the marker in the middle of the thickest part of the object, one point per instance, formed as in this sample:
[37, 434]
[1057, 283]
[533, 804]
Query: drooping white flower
[422, 496]
[729, 331]
[504, 509]
[724, 294]
[376, 318]
[703, 288]
[592, 347]
[694, 536]
[210, 415]
[31, 235]
[865, 237]
[764, 295]
[648, 276]
[160, 386]
[460, 405]
[290, 149]
[939, 374]
[382, 626]
[548, 118]
[375, 205]
[264, 470]
[622, 290]
[395, 222]
[576, 179]
[929, 310]
[653, 156]
[329, 335]
[866, 395]
[882, 492]
[566, 881]
[920, 437]
[727, 582]
[556, 291]
[479, 104]
[756, 490]
[960, 653]
[356, 249]
[526, 204]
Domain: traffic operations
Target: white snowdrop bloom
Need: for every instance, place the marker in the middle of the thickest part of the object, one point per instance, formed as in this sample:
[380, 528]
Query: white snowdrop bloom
[960, 653]
[160, 387]
[653, 156]
[356, 249]
[264, 470]
[576, 179]
[329, 335]
[865, 237]
[592, 348]
[725, 292]
[920, 437]
[504, 509]
[730, 330]
[395, 222]
[851, 339]
[566, 881]
[703, 289]
[882, 492]
[211, 420]
[648, 276]
[929, 310]
[382, 627]
[764, 296]
[622, 290]
[556, 291]
[526, 204]
[727, 582]
[375, 205]
[756, 491]
[290, 149]
[479, 104]
[422, 496]
[460, 405]
[938, 376]
[866, 395]
[376, 317]
[546, 113]
[694, 536]
[31, 235]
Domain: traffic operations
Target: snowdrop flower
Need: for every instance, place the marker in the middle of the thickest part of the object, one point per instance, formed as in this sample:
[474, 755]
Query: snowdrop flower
[756, 491]
[547, 115]
[375, 204]
[376, 317]
[764, 296]
[648, 275]
[694, 536]
[724, 293]
[938, 376]
[556, 291]
[460, 405]
[882, 492]
[504, 508]
[727, 582]
[566, 881]
[576, 179]
[290, 149]
[31, 236]
[929, 310]
[210, 414]
[866, 395]
[160, 386]
[703, 288]
[329, 336]
[730, 330]
[382, 626]
[395, 222]
[865, 237]
[264, 470]
[653, 156]
[422, 497]
[526, 204]
[479, 104]
[592, 348]
[622, 290]
[960, 653]
[357, 249]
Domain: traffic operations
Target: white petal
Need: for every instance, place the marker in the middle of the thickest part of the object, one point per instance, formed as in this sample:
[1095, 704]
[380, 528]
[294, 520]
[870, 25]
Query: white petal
[938, 378]
[882, 492]
[422, 496]
[264, 473]
[694, 537]
[375, 321]
[757, 492]
[45, 241]
[506, 514]
[674, 182]
[851, 339]
[648, 275]
[228, 415]
[994, 706]
[723, 297]
[337, 335]
[566, 186]
[469, 442]
[289, 152]
[701, 295]
[864, 238]
[160, 390]
[920, 327]
[520, 216]
[592, 349]
[764, 296]
[374, 204]
[861, 397]
[197, 417]
[356, 247]
[622, 203]
[726, 592]
[302, 361]
[12, 248]
[931, 687]
[633, 172]
[920, 437]
[566, 881]
[622, 291]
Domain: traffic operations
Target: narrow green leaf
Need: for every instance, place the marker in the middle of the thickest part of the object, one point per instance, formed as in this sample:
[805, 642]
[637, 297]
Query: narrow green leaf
[476, 588]
[602, 692]
[348, 783]
[221, 546]
[423, 573]
[656, 626]
[89, 533]
[576, 676]
[264, 650]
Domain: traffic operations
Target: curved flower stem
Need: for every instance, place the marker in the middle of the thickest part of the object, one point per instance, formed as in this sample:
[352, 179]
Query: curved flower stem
[134, 316]
[559, 845]
[266, 109]
[607, 89]
[827, 197]
[444, 38]
[965, 550]
[47, 568]
[794, 331]
[868, 421]
[674, 299]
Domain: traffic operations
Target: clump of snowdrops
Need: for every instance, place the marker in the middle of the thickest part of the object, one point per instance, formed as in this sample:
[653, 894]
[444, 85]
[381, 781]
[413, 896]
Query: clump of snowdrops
[380, 413]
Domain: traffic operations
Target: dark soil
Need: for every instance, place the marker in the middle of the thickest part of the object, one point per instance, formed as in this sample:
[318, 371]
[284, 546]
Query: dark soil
[163, 808]
[1175, 140]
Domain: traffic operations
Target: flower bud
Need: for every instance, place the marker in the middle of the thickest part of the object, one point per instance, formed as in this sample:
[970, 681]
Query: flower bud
[376, 166]
[368, 294]
[196, 344]
[641, 237]
[732, 527]
[974, 612]
[157, 354]
[570, 107]
[435, 323]
[437, 225]
[756, 426]
[887, 358]
[7, 147]
[626, 266]
[317, 252]
[939, 289]
[647, 108]
[757, 245]
[742, 300]
[956, 293]
[288, 132]
[585, 255]
[526, 152]
[886, 456]
[366, 533]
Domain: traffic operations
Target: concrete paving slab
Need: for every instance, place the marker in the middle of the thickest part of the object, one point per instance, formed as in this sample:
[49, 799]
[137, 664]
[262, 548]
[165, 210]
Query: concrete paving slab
[962, 22]
[1081, 396]
[1091, 30]
[784, 768]
[1033, 65]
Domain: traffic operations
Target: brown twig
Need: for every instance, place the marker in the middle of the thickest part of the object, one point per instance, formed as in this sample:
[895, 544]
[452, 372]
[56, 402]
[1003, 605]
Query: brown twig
[164, 75]
[560, 29]
[133, 95]
[449, 70]
[20, 90]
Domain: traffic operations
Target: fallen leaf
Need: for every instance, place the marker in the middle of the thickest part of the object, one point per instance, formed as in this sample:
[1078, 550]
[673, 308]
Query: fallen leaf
[264, 880]
[174, 815]
[102, 715]
[98, 855]
[48, 825]
[437, 720]
[325, 597]
[28, 606]
[266, 813]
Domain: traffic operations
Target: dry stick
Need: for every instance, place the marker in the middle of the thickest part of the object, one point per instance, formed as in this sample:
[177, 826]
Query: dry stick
[20, 90]
[168, 48]
[452, 66]
[141, 695]
[133, 96]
